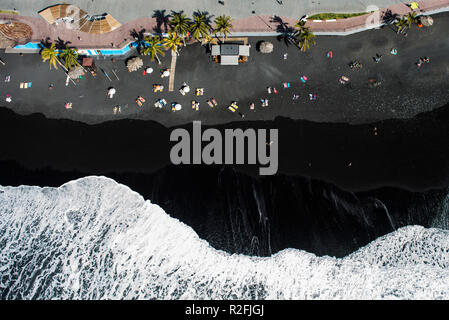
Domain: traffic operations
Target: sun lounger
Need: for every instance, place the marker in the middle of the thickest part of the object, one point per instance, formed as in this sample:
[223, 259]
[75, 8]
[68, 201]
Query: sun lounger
[233, 107]
[158, 88]
[343, 79]
[264, 102]
[21, 85]
[160, 103]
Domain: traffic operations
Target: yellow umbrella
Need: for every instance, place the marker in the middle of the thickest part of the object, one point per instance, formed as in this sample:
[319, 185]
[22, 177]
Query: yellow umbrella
[414, 5]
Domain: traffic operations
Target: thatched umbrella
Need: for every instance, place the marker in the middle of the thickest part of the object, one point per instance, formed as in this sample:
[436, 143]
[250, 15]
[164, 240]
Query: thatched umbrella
[16, 30]
[134, 64]
[76, 73]
[266, 47]
[427, 21]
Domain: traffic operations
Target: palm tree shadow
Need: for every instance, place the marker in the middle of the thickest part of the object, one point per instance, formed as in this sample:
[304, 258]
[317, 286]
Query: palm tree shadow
[208, 17]
[388, 19]
[61, 44]
[286, 32]
[162, 20]
[46, 43]
[139, 38]
[173, 12]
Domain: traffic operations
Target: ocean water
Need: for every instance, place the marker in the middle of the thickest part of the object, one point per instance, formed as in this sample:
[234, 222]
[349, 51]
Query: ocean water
[93, 238]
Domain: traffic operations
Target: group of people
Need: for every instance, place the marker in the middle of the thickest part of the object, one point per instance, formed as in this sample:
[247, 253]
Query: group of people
[264, 102]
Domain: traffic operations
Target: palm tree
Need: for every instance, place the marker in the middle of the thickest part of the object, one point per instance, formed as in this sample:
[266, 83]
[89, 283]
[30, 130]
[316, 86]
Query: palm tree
[172, 42]
[50, 54]
[208, 40]
[222, 25]
[70, 57]
[153, 47]
[180, 25]
[300, 25]
[199, 27]
[412, 18]
[401, 24]
[306, 38]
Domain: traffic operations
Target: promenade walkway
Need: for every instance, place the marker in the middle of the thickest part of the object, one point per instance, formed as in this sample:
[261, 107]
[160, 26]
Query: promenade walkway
[250, 25]
[126, 11]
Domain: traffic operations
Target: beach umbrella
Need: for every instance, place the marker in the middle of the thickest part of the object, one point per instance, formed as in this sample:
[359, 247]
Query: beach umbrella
[134, 64]
[414, 5]
[111, 91]
[149, 70]
[166, 73]
[427, 21]
[76, 72]
[186, 89]
[16, 31]
[266, 47]
[177, 107]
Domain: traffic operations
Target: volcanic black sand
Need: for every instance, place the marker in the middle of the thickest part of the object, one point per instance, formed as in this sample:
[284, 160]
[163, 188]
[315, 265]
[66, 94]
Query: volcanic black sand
[339, 186]
[405, 90]
[411, 154]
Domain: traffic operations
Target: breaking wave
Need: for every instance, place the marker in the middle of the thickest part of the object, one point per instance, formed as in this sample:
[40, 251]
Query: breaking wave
[96, 239]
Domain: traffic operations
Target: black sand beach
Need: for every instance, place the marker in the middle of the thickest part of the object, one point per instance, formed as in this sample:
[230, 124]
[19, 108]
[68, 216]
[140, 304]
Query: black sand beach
[356, 164]
[411, 154]
[317, 201]
[405, 90]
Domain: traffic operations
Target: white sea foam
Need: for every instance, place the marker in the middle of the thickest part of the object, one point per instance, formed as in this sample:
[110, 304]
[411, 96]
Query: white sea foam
[95, 239]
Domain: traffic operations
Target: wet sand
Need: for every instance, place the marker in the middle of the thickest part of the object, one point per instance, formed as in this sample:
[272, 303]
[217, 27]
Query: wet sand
[411, 154]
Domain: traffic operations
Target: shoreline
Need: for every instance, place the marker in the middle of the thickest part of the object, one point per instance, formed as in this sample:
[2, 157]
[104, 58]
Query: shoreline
[409, 154]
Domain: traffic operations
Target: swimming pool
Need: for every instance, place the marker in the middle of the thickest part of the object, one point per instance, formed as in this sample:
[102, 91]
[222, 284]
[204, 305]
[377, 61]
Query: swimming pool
[87, 52]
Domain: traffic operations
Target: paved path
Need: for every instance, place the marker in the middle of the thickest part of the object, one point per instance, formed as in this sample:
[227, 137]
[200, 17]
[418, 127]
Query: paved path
[125, 11]
[259, 25]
